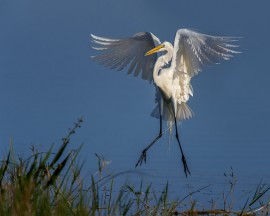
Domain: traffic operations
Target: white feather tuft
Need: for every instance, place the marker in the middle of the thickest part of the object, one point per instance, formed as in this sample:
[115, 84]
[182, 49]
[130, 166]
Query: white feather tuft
[183, 112]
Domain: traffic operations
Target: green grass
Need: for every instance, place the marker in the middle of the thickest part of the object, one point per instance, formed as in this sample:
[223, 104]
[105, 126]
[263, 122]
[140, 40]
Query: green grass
[50, 183]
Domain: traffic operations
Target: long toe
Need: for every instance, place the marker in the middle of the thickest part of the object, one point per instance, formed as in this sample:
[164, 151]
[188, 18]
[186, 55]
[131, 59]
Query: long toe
[185, 166]
[141, 159]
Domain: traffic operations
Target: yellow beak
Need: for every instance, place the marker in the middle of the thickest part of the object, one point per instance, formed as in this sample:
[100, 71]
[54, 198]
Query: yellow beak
[156, 49]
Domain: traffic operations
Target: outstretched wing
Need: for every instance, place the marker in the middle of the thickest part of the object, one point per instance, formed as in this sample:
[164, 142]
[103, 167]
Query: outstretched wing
[128, 52]
[193, 50]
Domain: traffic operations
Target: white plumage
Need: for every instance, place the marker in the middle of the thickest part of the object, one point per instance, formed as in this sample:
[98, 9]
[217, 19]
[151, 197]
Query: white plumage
[171, 71]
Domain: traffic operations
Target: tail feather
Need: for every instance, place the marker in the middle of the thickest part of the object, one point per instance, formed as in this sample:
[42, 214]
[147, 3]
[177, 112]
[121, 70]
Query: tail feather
[183, 112]
[156, 113]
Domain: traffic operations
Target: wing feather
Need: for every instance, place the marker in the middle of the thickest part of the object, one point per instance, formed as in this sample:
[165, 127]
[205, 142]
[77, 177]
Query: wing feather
[193, 50]
[127, 52]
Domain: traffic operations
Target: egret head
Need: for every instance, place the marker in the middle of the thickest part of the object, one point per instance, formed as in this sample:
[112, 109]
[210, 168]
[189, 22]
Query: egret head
[165, 46]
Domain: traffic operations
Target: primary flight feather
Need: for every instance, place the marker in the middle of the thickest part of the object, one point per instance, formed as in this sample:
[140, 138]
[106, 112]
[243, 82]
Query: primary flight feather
[171, 71]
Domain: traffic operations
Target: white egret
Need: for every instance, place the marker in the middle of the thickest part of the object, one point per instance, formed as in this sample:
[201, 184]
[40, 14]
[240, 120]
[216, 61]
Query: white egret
[171, 71]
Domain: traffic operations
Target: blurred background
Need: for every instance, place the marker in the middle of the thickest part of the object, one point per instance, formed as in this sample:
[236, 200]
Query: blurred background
[48, 81]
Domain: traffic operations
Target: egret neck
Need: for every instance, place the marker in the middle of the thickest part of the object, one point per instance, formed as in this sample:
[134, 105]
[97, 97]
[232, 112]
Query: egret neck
[163, 75]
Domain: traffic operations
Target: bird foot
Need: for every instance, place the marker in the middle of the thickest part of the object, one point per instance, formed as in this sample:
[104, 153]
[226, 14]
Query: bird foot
[186, 170]
[141, 159]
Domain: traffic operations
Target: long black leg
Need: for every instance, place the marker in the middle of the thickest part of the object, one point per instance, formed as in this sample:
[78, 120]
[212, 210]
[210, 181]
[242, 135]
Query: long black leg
[183, 156]
[143, 154]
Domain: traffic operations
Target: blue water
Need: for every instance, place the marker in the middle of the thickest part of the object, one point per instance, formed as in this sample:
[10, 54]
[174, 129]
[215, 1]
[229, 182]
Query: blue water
[245, 164]
[47, 81]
